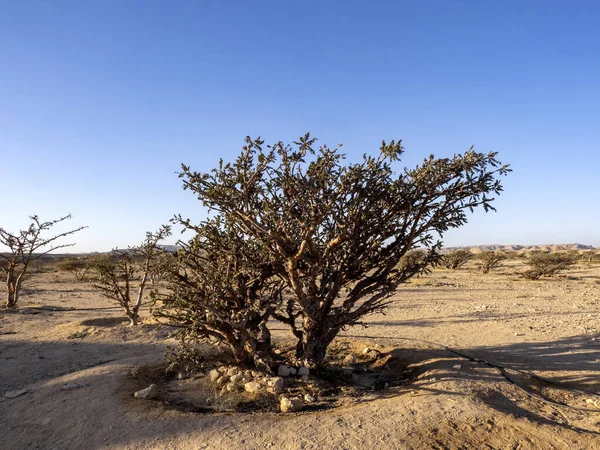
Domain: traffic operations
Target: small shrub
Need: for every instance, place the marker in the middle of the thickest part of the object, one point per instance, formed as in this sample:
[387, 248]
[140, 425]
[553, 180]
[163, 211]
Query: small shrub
[77, 266]
[115, 273]
[547, 264]
[456, 258]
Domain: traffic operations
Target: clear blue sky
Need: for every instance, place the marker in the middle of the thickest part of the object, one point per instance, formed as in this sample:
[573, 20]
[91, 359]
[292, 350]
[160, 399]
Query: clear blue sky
[101, 101]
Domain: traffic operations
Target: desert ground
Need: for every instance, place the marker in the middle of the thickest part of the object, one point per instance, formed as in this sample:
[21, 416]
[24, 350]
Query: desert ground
[472, 344]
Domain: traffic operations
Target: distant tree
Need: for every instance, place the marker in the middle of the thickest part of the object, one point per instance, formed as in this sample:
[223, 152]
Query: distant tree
[77, 266]
[489, 260]
[548, 264]
[116, 273]
[456, 258]
[26, 247]
[337, 234]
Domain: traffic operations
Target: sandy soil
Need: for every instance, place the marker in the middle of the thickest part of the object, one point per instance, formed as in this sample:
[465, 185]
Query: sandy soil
[66, 333]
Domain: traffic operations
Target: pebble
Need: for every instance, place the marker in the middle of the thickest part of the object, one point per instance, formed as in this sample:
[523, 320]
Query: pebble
[151, 392]
[252, 387]
[214, 375]
[303, 371]
[290, 404]
[283, 371]
[15, 394]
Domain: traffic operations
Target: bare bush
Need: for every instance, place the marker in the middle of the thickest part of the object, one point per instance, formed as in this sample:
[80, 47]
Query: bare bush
[24, 249]
[116, 273]
[456, 258]
[334, 233]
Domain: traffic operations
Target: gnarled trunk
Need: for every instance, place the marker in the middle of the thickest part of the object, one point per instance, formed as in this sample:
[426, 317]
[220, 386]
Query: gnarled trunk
[13, 287]
[312, 347]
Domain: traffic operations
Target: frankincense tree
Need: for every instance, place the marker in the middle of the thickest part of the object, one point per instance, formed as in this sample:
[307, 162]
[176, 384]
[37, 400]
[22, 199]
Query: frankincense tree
[338, 235]
[26, 247]
[116, 273]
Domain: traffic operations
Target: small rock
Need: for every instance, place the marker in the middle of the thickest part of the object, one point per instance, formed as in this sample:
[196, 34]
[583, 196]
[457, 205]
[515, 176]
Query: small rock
[283, 371]
[308, 398]
[277, 351]
[15, 394]
[366, 351]
[72, 386]
[290, 404]
[304, 377]
[236, 379]
[276, 383]
[386, 386]
[151, 392]
[303, 371]
[349, 360]
[293, 371]
[233, 371]
[252, 387]
[223, 380]
[214, 375]
[456, 366]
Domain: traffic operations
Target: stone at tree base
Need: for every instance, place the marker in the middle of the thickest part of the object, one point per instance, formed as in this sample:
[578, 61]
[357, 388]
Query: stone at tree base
[252, 387]
[283, 371]
[15, 394]
[290, 404]
[293, 371]
[237, 378]
[308, 398]
[223, 380]
[150, 393]
[214, 375]
[350, 359]
[303, 371]
[276, 383]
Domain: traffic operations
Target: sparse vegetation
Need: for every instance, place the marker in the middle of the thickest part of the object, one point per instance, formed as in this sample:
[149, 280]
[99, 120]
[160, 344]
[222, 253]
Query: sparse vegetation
[489, 260]
[26, 247]
[77, 266]
[116, 273]
[335, 235]
[547, 264]
[456, 258]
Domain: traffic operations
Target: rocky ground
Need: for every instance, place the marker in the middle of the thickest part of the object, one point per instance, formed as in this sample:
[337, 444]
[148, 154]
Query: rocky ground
[468, 344]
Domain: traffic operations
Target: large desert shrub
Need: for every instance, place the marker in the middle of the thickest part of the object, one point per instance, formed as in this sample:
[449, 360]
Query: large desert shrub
[456, 258]
[335, 233]
[547, 264]
[26, 247]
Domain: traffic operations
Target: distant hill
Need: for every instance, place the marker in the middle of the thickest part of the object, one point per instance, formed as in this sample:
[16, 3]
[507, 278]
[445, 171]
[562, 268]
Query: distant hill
[552, 248]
